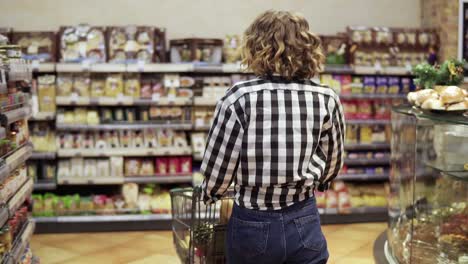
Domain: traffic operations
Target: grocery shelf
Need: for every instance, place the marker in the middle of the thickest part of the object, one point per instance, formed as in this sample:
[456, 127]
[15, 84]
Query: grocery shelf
[108, 67]
[367, 122]
[20, 243]
[103, 223]
[3, 215]
[367, 162]
[176, 101]
[126, 152]
[89, 181]
[367, 146]
[356, 215]
[20, 196]
[339, 69]
[371, 70]
[42, 116]
[42, 67]
[123, 126]
[2, 133]
[205, 101]
[44, 186]
[182, 178]
[43, 156]
[363, 177]
[74, 100]
[15, 115]
[372, 96]
[160, 67]
[18, 157]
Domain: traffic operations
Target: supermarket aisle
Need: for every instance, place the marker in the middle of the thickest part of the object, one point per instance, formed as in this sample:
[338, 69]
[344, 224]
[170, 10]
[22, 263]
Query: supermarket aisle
[350, 244]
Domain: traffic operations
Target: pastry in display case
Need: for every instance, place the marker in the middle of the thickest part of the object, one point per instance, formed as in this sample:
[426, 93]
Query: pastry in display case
[428, 200]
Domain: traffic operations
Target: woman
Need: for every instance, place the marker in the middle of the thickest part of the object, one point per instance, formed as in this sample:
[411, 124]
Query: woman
[278, 138]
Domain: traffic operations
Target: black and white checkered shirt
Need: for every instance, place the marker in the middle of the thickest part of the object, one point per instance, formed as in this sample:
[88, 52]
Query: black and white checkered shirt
[276, 139]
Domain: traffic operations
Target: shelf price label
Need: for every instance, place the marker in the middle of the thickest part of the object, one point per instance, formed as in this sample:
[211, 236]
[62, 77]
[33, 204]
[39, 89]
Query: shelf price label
[378, 67]
[141, 66]
[85, 65]
[73, 98]
[171, 98]
[120, 98]
[35, 65]
[155, 97]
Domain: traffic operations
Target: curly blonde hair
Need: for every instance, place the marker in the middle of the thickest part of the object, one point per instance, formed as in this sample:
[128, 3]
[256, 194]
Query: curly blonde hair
[279, 42]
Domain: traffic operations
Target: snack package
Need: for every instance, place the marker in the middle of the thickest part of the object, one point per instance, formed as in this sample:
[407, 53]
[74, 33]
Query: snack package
[150, 137]
[76, 165]
[90, 168]
[116, 166]
[132, 167]
[130, 115]
[352, 133]
[81, 85]
[98, 87]
[103, 169]
[165, 137]
[46, 93]
[357, 87]
[114, 85]
[321, 200]
[346, 82]
[378, 134]
[125, 140]
[38, 45]
[82, 42]
[365, 134]
[331, 199]
[162, 166]
[64, 84]
[147, 167]
[80, 115]
[350, 109]
[185, 164]
[132, 86]
[174, 165]
[130, 194]
[382, 85]
[180, 140]
[138, 139]
[146, 88]
[92, 117]
[198, 142]
[369, 85]
[106, 115]
[130, 44]
[393, 85]
[364, 109]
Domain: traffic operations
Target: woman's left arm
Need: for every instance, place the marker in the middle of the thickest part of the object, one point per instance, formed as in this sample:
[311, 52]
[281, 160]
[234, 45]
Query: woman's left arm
[221, 157]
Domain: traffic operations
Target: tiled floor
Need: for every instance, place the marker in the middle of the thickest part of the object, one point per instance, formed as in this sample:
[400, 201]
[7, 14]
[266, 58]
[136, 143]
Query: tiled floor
[348, 244]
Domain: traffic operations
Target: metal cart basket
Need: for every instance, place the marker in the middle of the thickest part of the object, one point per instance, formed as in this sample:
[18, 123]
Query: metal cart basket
[198, 229]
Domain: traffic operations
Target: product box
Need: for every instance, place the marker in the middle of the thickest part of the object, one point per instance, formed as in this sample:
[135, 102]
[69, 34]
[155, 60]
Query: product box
[129, 44]
[82, 43]
[394, 85]
[38, 45]
[196, 50]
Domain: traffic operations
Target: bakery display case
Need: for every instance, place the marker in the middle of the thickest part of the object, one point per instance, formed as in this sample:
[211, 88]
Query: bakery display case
[428, 212]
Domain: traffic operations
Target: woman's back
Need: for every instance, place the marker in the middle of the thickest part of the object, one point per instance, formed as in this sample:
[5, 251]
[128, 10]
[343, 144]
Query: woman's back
[277, 139]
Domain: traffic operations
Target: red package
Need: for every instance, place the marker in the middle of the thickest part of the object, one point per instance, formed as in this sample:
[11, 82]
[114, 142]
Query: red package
[339, 186]
[174, 165]
[346, 81]
[185, 164]
[320, 198]
[349, 108]
[344, 202]
[364, 109]
[162, 166]
[381, 109]
[332, 199]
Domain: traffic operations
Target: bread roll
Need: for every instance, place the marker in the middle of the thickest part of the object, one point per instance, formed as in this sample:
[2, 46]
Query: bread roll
[433, 104]
[412, 97]
[423, 95]
[452, 94]
[458, 106]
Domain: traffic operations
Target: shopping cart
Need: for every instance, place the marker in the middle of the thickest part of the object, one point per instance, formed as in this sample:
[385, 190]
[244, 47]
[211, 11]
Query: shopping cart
[198, 229]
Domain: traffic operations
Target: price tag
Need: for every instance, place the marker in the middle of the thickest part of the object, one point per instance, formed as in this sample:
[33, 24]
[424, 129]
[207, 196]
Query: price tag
[156, 97]
[199, 122]
[85, 65]
[378, 67]
[141, 65]
[408, 67]
[150, 153]
[74, 98]
[171, 98]
[166, 152]
[120, 98]
[35, 65]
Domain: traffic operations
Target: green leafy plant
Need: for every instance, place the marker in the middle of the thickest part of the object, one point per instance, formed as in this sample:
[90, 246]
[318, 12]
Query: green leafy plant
[449, 73]
[426, 75]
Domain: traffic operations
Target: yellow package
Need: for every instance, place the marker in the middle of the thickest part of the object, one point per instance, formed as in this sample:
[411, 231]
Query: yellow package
[132, 86]
[114, 85]
[98, 87]
[46, 93]
[81, 116]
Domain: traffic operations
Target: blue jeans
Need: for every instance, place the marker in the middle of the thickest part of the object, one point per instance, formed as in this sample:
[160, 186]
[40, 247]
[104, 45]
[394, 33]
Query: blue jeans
[290, 235]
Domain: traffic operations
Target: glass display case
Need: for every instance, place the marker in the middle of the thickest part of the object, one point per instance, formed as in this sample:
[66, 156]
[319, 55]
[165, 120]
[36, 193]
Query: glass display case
[428, 212]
